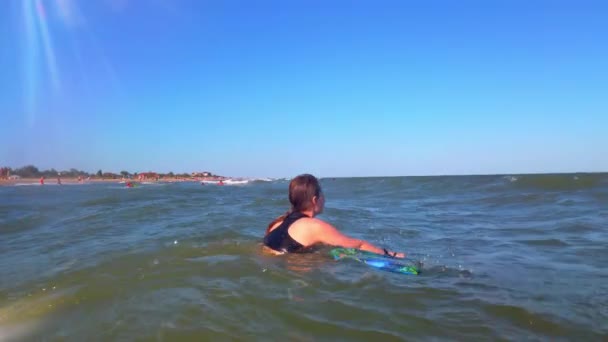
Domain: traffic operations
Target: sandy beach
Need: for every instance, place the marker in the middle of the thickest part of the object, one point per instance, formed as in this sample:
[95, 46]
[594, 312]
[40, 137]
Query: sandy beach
[53, 181]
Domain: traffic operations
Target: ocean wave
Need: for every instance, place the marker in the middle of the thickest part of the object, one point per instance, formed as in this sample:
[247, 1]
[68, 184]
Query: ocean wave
[544, 242]
[153, 262]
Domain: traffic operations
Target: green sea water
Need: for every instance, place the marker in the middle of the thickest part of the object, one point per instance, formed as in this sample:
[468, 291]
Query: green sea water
[517, 257]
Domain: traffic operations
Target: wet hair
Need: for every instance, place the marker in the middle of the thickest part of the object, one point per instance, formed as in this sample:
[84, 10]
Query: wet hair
[302, 189]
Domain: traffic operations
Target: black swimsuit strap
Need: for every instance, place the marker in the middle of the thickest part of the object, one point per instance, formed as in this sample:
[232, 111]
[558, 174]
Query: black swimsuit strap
[279, 238]
[291, 218]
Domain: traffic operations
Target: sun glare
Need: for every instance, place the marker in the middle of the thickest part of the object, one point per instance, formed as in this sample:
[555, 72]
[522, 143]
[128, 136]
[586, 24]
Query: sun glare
[47, 43]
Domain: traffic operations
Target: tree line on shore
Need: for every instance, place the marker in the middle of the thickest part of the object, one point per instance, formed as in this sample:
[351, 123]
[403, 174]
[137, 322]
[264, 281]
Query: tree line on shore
[31, 171]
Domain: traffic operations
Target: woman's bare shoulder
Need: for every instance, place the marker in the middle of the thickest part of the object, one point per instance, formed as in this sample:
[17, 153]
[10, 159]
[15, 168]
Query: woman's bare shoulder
[314, 222]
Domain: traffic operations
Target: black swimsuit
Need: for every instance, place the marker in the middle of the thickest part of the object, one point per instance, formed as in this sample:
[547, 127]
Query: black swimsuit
[279, 238]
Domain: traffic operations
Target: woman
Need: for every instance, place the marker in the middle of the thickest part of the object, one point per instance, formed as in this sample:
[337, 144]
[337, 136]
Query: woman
[298, 230]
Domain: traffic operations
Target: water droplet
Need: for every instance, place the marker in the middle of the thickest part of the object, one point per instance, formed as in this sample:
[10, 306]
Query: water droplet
[175, 242]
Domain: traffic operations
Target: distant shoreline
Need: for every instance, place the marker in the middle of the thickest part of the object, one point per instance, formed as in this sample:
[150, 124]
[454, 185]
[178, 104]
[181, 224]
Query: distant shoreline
[95, 180]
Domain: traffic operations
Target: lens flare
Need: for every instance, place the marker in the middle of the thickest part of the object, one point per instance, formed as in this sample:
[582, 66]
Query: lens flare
[30, 54]
[48, 45]
[42, 76]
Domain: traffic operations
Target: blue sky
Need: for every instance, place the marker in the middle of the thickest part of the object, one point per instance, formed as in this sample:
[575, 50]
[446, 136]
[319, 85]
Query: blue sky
[277, 88]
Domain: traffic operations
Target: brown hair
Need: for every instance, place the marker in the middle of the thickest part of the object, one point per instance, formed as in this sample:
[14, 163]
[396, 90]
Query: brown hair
[302, 189]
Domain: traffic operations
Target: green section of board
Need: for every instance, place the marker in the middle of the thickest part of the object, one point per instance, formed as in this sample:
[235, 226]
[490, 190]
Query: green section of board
[382, 262]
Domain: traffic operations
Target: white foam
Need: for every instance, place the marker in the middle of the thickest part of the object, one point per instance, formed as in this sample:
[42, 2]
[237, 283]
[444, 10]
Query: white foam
[263, 179]
[235, 182]
[227, 181]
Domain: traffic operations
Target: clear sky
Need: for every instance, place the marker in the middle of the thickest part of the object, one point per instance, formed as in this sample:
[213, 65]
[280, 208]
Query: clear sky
[277, 88]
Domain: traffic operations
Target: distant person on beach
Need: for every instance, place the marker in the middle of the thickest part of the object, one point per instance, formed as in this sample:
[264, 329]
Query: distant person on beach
[298, 230]
[42, 180]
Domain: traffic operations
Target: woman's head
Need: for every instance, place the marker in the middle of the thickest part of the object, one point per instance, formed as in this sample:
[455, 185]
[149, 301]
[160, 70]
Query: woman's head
[305, 194]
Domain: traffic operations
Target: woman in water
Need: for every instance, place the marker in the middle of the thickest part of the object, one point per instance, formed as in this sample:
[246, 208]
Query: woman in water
[298, 230]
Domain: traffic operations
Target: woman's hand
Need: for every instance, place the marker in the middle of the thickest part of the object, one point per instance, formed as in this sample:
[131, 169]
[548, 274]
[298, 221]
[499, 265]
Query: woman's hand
[393, 254]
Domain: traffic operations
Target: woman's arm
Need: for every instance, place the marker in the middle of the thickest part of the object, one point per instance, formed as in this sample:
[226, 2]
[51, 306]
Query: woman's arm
[329, 235]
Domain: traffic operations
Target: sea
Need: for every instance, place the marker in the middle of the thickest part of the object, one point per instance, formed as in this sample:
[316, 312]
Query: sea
[505, 257]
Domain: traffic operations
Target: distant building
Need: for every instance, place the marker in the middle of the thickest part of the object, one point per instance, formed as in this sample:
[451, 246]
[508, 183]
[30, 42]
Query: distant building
[147, 175]
[201, 174]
